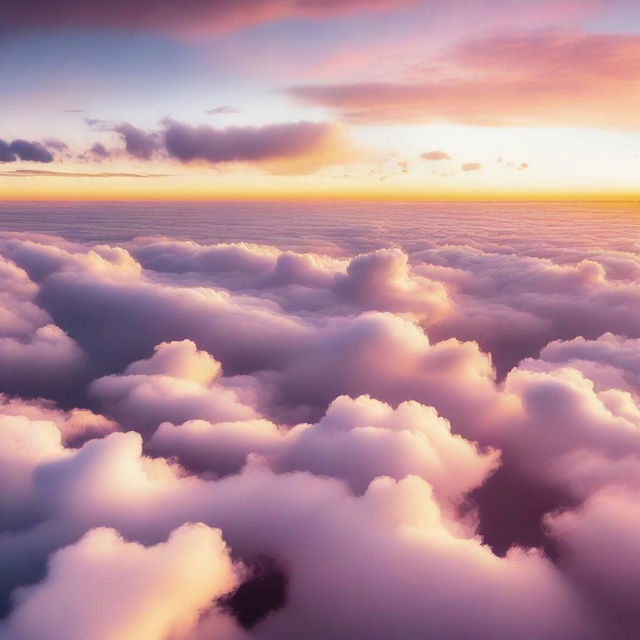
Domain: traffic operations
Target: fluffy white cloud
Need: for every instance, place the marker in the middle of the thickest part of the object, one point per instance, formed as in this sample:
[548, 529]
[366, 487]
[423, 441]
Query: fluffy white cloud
[105, 588]
[407, 436]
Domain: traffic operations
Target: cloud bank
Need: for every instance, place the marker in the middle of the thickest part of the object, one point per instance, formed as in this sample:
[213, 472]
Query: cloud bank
[542, 78]
[438, 442]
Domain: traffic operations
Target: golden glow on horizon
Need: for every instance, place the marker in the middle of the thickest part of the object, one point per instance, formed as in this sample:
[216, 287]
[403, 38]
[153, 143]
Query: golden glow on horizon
[561, 164]
[168, 193]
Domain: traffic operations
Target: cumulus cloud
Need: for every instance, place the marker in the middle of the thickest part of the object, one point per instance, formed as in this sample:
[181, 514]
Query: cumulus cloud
[290, 147]
[175, 384]
[36, 356]
[318, 143]
[138, 143]
[608, 520]
[98, 152]
[471, 166]
[24, 150]
[436, 441]
[77, 599]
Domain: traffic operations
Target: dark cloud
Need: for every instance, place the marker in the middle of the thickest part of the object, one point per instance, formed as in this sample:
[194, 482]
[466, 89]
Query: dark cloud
[24, 150]
[6, 153]
[223, 109]
[138, 143]
[99, 152]
[192, 16]
[298, 147]
[252, 144]
[31, 151]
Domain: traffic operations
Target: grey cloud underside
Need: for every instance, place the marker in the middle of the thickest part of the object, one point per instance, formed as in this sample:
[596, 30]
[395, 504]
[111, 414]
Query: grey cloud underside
[366, 421]
[25, 151]
[187, 143]
[313, 143]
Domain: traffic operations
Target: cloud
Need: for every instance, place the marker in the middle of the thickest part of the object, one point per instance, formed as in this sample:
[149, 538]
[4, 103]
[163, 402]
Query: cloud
[362, 439]
[286, 148]
[471, 166]
[196, 17]
[99, 152]
[6, 153]
[548, 78]
[314, 143]
[223, 110]
[177, 383]
[24, 150]
[357, 440]
[26, 173]
[57, 145]
[440, 440]
[193, 560]
[138, 143]
[396, 529]
[608, 520]
[435, 155]
[36, 356]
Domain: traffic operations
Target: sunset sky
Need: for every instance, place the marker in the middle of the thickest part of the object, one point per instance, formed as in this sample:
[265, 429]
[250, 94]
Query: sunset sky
[379, 99]
[319, 320]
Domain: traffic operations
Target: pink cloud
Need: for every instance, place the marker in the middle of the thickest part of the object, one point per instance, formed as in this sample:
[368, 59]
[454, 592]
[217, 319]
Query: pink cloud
[357, 428]
[435, 155]
[190, 17]
[550, 78]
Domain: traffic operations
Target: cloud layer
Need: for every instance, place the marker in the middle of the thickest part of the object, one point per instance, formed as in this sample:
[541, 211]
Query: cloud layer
[540, 78]
[439, 442]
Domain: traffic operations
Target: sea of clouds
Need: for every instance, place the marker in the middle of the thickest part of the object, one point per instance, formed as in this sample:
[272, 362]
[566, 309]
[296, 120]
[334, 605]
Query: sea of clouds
[234, 441]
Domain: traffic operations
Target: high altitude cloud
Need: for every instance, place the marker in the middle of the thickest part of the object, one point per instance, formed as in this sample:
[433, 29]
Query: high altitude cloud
[193, 16]
[552, 78]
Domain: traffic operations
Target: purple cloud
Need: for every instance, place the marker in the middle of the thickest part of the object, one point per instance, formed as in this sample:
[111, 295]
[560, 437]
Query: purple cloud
[24, 150]
[187, 142]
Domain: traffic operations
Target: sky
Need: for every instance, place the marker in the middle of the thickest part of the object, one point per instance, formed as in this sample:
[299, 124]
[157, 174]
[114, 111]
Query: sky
[308, 99]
